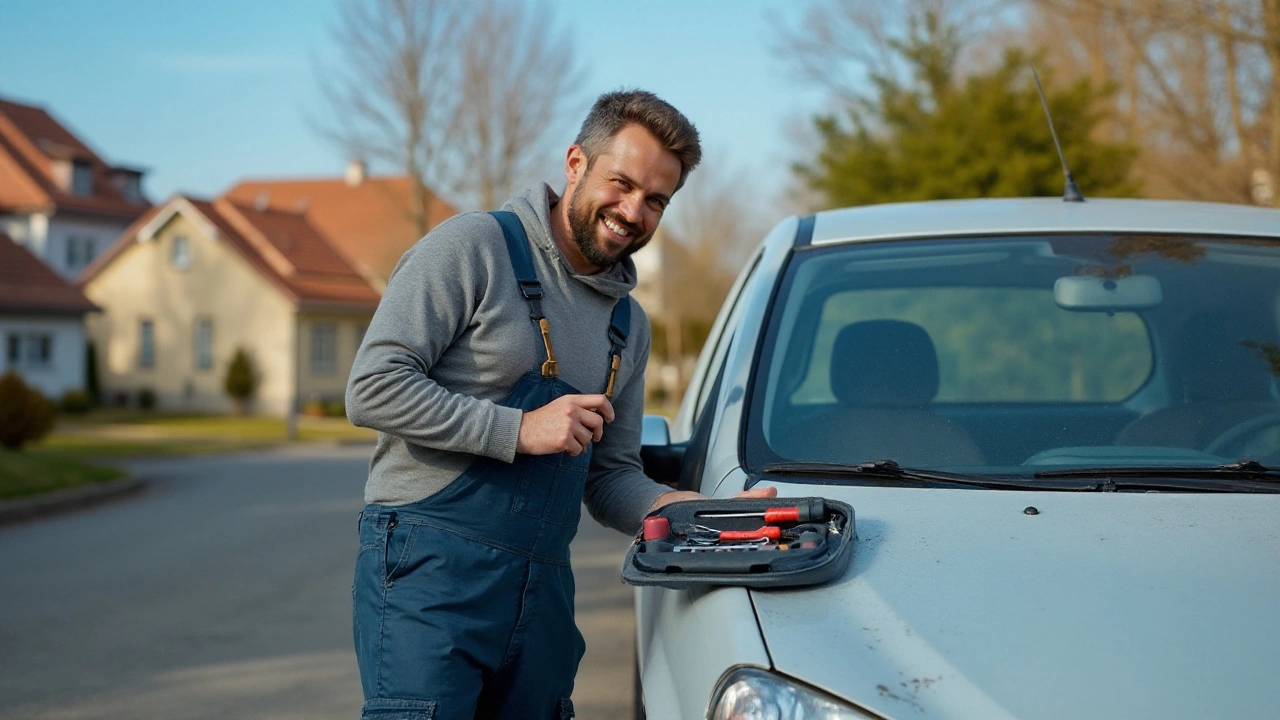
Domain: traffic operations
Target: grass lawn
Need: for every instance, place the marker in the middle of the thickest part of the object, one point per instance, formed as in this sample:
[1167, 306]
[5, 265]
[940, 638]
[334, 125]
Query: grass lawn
[75, 452]
[27, 473]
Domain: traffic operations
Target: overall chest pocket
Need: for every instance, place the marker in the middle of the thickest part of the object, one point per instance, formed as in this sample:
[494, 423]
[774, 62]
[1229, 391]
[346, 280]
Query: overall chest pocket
[551, 488]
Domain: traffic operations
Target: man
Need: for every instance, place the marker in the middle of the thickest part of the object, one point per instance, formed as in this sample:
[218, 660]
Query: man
[504, 373]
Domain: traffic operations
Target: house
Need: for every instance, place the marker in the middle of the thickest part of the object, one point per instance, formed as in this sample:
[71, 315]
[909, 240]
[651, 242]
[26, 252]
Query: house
[41, 323]
[58, 198]
[193, 280]
[368, 219]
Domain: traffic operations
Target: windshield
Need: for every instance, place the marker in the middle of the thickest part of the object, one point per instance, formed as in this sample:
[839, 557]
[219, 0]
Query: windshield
[1020, 355]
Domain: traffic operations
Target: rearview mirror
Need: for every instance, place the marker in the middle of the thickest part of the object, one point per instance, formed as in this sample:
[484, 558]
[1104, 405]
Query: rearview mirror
[1100, 294]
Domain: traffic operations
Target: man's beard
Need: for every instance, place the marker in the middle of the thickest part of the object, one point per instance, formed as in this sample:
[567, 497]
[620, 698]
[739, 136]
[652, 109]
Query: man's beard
[582, 227]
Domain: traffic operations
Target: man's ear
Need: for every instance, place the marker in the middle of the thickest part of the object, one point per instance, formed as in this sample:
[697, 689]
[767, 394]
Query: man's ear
[575, 165]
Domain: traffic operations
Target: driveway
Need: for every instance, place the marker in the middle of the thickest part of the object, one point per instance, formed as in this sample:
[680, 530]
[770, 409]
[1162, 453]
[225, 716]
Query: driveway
[223, 591]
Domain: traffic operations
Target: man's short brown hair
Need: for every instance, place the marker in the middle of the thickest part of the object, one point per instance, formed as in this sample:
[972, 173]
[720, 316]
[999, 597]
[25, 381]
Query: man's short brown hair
[614, 111]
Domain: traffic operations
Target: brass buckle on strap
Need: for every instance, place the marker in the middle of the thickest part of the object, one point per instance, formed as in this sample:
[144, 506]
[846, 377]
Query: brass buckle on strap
[550, 368]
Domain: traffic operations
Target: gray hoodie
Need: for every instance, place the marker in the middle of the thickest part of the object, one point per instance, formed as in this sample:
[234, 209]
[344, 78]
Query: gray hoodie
[452, 335]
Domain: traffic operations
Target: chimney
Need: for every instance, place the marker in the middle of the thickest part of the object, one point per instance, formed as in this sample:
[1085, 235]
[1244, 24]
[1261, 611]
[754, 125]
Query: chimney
[355, 172]
[262, 201]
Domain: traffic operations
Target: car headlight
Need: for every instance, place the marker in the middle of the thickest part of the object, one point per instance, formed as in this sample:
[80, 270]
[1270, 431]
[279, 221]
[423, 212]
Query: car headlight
[751, 694]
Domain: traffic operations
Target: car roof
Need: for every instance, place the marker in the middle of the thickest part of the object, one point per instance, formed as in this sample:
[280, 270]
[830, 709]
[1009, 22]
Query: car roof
[1003, 216]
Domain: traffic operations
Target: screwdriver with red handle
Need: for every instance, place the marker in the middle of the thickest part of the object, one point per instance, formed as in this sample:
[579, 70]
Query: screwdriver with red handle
[812, 510]
[703, 534]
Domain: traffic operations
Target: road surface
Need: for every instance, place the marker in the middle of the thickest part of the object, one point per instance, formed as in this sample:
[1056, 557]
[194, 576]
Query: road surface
[223, 591]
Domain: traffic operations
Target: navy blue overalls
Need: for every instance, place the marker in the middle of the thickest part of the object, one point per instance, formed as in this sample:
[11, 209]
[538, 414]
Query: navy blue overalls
[463, 601]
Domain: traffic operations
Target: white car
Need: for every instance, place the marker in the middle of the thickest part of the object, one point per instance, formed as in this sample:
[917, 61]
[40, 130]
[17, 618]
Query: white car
[1058, 425]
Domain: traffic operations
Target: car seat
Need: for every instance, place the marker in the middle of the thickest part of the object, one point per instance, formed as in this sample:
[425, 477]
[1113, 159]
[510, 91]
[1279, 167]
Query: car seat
[1224, 382]
[884, 373]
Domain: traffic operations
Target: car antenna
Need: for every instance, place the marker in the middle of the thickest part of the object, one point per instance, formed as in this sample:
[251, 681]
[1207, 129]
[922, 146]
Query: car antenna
[1071, 193]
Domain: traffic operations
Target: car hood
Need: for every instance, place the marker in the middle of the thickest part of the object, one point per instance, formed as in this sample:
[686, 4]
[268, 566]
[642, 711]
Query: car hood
[960, 604]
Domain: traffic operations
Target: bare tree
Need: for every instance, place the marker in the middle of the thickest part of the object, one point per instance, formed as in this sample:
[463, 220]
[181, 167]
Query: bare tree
[518, 74]
[1199, 87]
[392, 96]
[457, 96]
[715, 221]
[842, 46]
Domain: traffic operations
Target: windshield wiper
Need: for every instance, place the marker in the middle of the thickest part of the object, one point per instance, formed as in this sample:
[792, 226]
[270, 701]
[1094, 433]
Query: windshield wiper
[890, 470]
[1245, 474]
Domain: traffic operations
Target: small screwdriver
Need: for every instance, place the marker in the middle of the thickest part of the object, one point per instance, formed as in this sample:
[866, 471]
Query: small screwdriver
[701, 534]
[812, 510]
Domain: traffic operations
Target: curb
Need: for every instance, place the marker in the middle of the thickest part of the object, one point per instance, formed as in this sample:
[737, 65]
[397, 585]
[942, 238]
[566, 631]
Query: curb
[14, 511]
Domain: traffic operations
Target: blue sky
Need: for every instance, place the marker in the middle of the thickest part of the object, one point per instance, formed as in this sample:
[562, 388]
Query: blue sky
[204, 92]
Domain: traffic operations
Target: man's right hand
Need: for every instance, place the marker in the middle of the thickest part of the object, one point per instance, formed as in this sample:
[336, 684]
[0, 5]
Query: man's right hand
[566, 424]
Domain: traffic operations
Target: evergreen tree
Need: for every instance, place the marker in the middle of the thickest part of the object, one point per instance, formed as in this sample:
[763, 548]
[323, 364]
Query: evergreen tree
[91, 386]
[938, 138]
[241, 380]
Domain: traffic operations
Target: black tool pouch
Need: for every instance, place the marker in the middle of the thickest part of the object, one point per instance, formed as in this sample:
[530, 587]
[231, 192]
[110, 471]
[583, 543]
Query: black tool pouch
[669, 563]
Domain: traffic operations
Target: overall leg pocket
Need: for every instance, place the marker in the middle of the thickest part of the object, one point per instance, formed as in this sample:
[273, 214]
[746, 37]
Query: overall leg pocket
[398, 709]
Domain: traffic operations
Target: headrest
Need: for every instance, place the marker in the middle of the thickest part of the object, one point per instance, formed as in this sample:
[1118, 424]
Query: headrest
[884, 363]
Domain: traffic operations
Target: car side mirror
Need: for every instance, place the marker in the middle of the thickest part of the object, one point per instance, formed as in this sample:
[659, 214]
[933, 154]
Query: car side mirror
[662, 459]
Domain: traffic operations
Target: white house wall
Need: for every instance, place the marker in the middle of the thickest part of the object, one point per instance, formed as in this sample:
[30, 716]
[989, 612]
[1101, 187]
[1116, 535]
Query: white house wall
[65, 370]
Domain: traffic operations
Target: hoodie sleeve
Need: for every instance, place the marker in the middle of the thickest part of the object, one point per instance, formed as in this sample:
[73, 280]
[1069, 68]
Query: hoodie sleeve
[431, 296]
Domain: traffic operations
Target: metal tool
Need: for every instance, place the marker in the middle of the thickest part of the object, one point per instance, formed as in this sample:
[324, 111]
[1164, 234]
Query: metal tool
[814, 510]
[703, 535]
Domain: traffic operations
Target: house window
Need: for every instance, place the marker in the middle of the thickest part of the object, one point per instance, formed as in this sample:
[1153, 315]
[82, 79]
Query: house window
[80, 252]
[30, 351]
[81, 178]
[180, 255]
[132, 190]
[147, 344]
[324, 348]
[204, 344]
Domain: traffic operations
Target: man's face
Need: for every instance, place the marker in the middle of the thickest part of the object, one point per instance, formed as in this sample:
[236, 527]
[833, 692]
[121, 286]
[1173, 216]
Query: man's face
[615, 205]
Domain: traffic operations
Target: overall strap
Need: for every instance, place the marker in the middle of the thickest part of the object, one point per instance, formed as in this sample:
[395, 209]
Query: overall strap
[619, 328]
[521, 261]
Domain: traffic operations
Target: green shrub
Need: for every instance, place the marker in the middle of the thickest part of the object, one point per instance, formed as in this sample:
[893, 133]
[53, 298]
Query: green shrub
[25, 414]
[146, 398]
[335, 408]
[91, 386]
[75, 402]
[241, 381]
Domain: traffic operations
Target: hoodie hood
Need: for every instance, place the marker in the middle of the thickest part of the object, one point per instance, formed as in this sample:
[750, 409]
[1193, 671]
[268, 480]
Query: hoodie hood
[534, 208]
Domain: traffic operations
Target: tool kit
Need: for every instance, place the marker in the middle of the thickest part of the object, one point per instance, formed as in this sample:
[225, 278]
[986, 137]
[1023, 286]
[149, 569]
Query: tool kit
[775, 542]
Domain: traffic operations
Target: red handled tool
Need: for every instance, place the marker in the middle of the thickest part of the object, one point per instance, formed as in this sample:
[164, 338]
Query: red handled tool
[656, 528]
[702, 535]
[814, 510]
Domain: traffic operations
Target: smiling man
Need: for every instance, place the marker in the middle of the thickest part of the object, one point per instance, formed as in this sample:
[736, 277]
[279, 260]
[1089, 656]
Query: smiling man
[504, 371]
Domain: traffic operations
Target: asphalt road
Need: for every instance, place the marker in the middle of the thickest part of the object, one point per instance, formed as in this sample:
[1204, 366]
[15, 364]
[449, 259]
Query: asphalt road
[223, 591]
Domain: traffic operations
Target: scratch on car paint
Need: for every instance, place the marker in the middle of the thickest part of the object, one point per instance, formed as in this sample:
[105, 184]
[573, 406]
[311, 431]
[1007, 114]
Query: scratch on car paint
[887, 693]
[915, 685]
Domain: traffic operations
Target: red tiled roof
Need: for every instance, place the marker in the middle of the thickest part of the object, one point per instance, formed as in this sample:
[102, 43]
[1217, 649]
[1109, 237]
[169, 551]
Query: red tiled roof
[31, 141]
[369, 223]
[282, 246]
[29, 286]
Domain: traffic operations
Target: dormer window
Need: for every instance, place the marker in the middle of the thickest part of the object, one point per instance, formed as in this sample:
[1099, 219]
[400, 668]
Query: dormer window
[81, 178]
[180, 254]
[132, 189]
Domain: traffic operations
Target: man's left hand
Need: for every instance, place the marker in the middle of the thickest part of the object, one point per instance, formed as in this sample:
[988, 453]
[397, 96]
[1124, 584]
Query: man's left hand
[679, 495]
